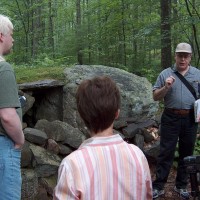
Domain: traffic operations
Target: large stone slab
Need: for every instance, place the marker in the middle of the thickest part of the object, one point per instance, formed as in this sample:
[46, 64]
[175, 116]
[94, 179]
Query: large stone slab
[136, 93]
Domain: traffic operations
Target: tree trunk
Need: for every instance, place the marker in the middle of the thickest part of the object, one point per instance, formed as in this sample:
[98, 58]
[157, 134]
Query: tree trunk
[78, 33]
[166, 55]
[51, 29]
[194, 29]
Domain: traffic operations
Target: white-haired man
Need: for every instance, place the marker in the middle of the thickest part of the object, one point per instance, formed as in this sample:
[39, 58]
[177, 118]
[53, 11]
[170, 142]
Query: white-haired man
[11, 134]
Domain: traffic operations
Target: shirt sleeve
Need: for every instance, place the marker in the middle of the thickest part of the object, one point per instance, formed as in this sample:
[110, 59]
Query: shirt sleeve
[64, 189]
[148, 182]
[160, 82]
[9, 90]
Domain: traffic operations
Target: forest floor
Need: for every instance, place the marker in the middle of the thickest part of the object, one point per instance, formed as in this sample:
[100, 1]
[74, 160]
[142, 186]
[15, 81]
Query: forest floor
[170, 194]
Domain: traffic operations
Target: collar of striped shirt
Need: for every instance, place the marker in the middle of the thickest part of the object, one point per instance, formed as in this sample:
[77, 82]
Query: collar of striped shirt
[96, 141]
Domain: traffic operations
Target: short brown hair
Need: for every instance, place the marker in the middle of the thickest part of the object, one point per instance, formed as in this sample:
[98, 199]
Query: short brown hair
[98, 101]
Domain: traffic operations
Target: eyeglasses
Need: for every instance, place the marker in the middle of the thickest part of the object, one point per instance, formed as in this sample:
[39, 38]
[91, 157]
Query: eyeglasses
[183, 55]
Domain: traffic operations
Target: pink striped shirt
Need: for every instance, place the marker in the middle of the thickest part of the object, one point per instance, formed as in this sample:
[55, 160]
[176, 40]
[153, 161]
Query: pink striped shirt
[104, 168]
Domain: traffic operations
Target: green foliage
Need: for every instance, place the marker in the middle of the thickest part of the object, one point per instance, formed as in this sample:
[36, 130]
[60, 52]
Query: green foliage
[43, 60]
[150, 74]
[197, 147]
[110, 33]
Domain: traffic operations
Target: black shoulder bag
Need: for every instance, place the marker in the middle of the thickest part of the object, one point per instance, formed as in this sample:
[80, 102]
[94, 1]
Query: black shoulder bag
[190, 88]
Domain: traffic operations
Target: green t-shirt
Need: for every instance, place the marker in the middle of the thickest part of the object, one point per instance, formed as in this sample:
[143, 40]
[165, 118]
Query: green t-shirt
[9, 97]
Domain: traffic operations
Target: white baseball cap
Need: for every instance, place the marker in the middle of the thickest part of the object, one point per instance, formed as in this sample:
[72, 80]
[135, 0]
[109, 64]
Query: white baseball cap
[183, 47]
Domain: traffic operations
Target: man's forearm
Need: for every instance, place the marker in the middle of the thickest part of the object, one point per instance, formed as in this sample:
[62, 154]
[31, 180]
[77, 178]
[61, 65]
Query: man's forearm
[159, 94]
[14, 131]
[12, 125]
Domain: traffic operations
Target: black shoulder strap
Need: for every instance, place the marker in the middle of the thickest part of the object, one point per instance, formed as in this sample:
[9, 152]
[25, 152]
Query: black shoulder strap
[190, 88]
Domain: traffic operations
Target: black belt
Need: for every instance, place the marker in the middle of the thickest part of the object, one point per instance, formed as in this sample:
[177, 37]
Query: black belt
[180, 111]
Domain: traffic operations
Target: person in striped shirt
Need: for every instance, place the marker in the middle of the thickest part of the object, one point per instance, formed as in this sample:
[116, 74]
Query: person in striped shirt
[105, 167]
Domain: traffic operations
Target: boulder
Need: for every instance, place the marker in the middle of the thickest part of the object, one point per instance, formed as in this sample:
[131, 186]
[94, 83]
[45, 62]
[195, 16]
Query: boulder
[136, 93]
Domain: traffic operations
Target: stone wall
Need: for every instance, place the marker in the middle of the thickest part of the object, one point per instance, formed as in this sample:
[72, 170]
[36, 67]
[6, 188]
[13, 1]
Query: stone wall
[53, 128]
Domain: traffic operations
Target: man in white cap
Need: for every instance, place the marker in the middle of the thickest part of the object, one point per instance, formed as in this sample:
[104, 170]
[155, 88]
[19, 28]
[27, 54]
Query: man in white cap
[177, 122]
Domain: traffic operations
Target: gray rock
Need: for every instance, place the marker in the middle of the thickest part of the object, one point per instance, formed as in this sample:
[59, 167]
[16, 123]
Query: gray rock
[29, 184]
[139, 141]
[35, 136]
[53, 146]
[131, 130]
[62, 132]
[26, 155]
[65, 150]
[42, 84]
[42, 124]
[29, 103]
[46, 163]
[49, 183]
[136, 93]
[147, 136]
[153, 151]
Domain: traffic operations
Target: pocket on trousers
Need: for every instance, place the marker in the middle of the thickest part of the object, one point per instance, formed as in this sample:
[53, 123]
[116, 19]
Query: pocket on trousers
[16, 156]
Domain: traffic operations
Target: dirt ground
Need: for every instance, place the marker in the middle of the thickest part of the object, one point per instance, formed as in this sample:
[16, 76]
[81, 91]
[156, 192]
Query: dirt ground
[169, 192]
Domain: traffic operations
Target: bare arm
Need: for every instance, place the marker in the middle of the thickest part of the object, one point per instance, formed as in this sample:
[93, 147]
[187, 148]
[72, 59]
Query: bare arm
[12, 125]
[160, 93]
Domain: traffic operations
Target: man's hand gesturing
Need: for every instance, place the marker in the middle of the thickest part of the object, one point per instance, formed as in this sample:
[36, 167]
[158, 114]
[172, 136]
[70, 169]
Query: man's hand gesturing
[169, 81]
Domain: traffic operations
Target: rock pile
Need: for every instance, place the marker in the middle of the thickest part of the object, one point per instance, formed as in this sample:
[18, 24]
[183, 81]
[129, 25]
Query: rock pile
[53, 128]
